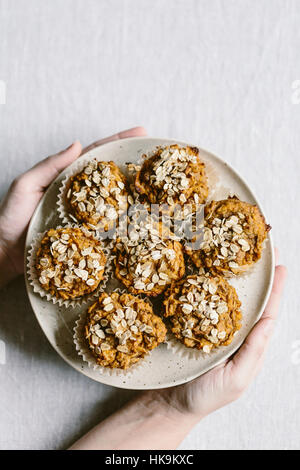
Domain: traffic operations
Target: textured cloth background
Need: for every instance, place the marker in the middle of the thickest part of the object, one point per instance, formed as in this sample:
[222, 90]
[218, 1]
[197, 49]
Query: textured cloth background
[216, 73]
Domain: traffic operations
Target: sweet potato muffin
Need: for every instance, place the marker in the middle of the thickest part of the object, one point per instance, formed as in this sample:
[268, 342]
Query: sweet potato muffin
[204, 311]
[135, 197]
[234, 232]
[97, 194]
[174, 175]
[121, 329]
[69, 262]
[149, 258]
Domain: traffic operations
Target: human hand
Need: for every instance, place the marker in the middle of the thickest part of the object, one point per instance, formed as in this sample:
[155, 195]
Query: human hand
[226, 382]
[160, 419]
[24, 195]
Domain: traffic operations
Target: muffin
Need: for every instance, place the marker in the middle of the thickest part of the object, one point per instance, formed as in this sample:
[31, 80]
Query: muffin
[234, 232]
[204, 311]
[97, 195]
[149, 258]
[174, 175]
[69, 263]
[121, 329]
[135, 197]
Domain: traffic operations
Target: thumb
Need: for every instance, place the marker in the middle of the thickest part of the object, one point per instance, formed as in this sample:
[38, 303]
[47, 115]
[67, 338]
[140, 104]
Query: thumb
[248, 358]
[44, 172]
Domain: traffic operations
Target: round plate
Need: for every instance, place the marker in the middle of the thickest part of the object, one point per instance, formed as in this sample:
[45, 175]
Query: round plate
[161, 368]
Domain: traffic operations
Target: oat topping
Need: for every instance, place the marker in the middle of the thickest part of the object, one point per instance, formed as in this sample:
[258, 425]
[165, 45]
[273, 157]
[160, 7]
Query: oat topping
[227, 234]
[97, 195]
[169, 170]
[203, 311]
[70, 262]
[121, 329]
[149, 258]
[173, 175]
[232, 238]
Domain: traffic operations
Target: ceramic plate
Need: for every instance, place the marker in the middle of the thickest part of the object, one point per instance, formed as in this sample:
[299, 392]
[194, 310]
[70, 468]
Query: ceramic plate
[161, 368]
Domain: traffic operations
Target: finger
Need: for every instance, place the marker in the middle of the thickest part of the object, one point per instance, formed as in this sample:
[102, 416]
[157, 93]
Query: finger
[272, 306]
[276, 253]
[44, 172]
[134, 132]
[246, 359]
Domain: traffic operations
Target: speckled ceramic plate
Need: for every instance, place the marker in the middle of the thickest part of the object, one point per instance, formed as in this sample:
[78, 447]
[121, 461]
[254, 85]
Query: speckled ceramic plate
[162, 368]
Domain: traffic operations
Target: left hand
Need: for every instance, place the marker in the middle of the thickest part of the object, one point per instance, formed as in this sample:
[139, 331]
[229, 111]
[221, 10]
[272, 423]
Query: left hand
[24, 195]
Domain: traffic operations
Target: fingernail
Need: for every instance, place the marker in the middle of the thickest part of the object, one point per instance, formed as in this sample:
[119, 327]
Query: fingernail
[73, 143]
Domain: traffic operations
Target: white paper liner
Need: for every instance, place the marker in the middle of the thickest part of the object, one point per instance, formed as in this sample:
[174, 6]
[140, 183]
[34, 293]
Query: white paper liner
[213, 178]
[64, 215]
[86, 354]
[245, 272]
[178, 348]
[110, 255]
[221, 192]
[37, 287]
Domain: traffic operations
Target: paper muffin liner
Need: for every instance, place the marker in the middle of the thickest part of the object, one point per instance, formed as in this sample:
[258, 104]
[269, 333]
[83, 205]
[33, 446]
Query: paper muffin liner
[37, 287]
[213, 178]
[84, 351]
[64, 215]
[245, 272]
[110, 256]
[178, 348]
[220, 192]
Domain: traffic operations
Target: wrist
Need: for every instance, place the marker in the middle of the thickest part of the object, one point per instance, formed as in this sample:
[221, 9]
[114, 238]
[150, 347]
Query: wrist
[157, 424]
[161, 404]
[149, 421]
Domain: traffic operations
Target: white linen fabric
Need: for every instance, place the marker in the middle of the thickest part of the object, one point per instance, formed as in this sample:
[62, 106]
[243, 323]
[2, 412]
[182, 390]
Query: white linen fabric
[221, 74]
